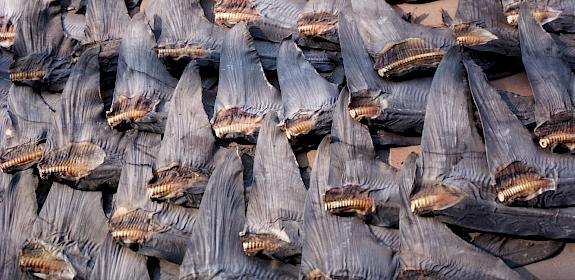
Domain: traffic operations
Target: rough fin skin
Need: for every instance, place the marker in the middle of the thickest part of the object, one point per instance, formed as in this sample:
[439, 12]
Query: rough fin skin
[42, 52]
[80, 151]
[244, 94]
[428, 247]
[307, 97]
[351, 249]
[153, 229]
[180, 177]
[404, 57]
[119, 263]
[143, 85]
[69, 241]
[319, 19]
[222, 214]
[274, 213]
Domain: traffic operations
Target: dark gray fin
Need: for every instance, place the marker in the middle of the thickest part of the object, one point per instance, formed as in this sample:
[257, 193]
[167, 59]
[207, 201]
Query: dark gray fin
[68, 241]
[82, 150]
[522, 106]
[6, 58]
[186, 34]
[43, 55]
[143, 85]
[18, 210]
[552, 82]
[185, 160]
[275, 207]
[429, 248]
[399, 48]
[269, 20]
[214, 247]
[106, 20]
[307, 97]
[388, 237]
[386, 139]
[74, 26]
[360, 184]
[517, 252]
[151, 229]
[339, 247]
[133, 4]
[318, 19]
[118, 262]
[325, 62]
[450, 141]
[244, 93]
[480, 25]
[396, 106]
[566, 43]
[25, 134]
[513, 156]
[10, 12]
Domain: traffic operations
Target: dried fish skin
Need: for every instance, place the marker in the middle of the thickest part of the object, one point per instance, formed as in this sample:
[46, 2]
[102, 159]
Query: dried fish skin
[152, 229]
[180, 178]
[395, 106]
[307, 97]
[10, 12]
[70, 242]
[543, 170]
[222, 215]
[520, 181]
[551, 80]
[400, 48]
[429, 248]
[81, 149]
[275, 208]
[45, 261]
[401, 58]
[244, 94]
[517, 252]
[119, 263]
[350, 250]
[26, 130]
[269, 20]
[43, 55]
[17, 221]
[143, 85]
[186, 34]
[319, 18]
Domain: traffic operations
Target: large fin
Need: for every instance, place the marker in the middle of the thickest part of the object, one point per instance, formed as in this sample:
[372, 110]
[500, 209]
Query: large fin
[215, 249]
[275, 208]
[185, 160]
[339, 247]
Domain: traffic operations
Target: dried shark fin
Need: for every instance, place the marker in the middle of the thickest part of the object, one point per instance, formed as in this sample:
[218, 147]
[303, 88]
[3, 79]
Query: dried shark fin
[65, 243]
[429, 248]
[400, 48]
[275, 209]
[143, 85]
[480, 25]
[308, 98]
[10, 12]
[106, 20]
[151, 229]
[41, 51]
[318, 19]
[395, 106]
[517, 252]
[351, 249]
[18, 210]
[119, 263]
[181, 177]
[186, 34]
[215, 249]
[25, 134]
[546, 171]
[401, 58]
[552, 82]
[244, 94]
[81, 150]
[269, 20]
[522, 106]
[360, 184]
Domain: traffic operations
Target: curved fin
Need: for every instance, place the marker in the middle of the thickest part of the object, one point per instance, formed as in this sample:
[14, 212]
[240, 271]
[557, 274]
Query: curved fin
[105, 20]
